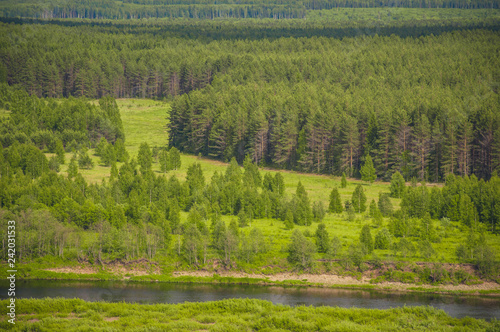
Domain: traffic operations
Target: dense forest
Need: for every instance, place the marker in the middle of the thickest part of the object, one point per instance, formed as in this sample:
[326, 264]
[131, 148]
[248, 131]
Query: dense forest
[137, 212]
[426, 106]
[210, 9]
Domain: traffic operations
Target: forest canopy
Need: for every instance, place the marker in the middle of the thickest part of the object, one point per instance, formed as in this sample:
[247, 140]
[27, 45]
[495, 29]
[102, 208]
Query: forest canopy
[424, 106]
[210, 9]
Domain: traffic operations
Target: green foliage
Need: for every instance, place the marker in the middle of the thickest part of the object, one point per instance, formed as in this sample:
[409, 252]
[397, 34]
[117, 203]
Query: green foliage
[365, 238]
[383, 239]
[335, 202]
[84, 160]
[174, 158]
[368, 170]
[384, 204]
[60, 152]
[397, 185]
[318, 211]
[343, 181]
[358, 199]
[301, 251]
[322, 239]
[145, 157]
[404, 247]
[233, 314]
[72, 168]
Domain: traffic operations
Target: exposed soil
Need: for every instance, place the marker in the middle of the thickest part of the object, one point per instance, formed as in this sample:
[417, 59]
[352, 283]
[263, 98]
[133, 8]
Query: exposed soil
[126, 269]
[332, 279]
[137, 267]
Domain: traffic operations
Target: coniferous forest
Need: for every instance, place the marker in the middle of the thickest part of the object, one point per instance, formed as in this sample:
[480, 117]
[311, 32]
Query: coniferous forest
[352, 138]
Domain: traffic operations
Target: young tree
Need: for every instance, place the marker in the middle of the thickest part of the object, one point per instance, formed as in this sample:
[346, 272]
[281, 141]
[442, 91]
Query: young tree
[302, 206]
[289, 219]
[318, 211]
[366, 239]
[175, 158]
[195, 179]
[322, 238]
[343, 181]
[397, 185]
[301, 251]
[358, 199]
[84, 160]
[335, 202]
[191, 243]
[101, 146]
[72, 168]
[145, 157]
[384, 204]
[334, 248]
[60, 152]
[383, 239]
[164, 158]
[121, 151]
[367, 170]
[375, 213]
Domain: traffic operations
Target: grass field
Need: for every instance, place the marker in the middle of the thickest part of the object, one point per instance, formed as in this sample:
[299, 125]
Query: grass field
[227, 315]
[145, 121]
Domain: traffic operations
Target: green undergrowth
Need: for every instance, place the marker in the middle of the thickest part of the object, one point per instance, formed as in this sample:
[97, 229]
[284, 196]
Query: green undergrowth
[227, 315]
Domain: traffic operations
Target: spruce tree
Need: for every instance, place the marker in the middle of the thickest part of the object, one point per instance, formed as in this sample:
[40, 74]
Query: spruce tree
[322, 238]
[368, 171]
[397, 185]
[358, 199]
[343, 181]
[335, 202]
[366, 238]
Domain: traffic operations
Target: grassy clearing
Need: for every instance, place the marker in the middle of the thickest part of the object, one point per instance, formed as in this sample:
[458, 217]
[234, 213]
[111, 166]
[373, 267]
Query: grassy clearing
[227, 315]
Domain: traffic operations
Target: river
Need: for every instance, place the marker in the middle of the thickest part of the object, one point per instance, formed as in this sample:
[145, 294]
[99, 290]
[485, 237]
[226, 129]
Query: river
[455, 306]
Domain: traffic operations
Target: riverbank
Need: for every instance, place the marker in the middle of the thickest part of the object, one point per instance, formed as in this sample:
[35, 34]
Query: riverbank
[227, 315]
[144, 272]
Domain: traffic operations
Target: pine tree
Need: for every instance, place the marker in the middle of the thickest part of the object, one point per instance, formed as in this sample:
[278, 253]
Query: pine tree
[335, 202]
[175, 158]
[322, 238]
[397, 185]
[60, 152]
[301, 251]
[343, 181]
[368, 171]
[164, 158]
[145, 157]
[358, 199]
[384, 204]
[366, 239]
[72, 168]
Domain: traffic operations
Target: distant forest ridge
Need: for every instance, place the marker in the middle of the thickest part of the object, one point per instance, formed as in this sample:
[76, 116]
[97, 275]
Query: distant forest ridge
[211, 9]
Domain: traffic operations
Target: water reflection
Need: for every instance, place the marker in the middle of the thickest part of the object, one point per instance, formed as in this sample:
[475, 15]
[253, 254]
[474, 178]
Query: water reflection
[457, 306]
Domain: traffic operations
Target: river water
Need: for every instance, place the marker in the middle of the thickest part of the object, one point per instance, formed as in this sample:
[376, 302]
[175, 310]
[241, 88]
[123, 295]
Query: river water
[455, 306]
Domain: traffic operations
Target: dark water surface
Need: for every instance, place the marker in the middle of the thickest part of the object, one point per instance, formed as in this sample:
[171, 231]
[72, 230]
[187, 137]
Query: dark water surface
[456, 306]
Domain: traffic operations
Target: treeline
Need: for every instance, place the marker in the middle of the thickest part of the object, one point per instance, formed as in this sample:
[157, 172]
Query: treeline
[209, 9]
[422, 106]
[424, 117]
[53, 125]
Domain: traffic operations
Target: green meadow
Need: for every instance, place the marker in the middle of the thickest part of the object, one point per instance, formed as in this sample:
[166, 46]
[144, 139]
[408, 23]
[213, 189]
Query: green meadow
[227, 315]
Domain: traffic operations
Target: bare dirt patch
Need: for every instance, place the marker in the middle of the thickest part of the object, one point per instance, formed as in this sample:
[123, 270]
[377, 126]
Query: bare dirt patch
[336, 280]
[137, 267]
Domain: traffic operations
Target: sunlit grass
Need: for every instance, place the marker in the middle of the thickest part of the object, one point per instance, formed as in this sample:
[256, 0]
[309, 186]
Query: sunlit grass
[227, 315]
